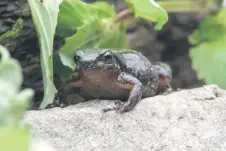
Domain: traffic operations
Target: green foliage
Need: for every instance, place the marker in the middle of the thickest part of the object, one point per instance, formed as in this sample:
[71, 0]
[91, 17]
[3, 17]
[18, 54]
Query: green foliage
[209, 53]
[12, 34]
[83, 25]
[13, 136]
[45, 15]
[80, 13]
[149, 10]
[95, 28]
[97, 25]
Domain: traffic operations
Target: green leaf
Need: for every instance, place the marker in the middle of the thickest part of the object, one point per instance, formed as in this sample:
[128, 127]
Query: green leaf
[113, 38]
[44, 15]
[14, 139]
[60, 69]
[80, 12]
[149, 10]
[13, 136]
[13, 102]
[208, 56]
[93, 34]
[210, 29]
[14, 32]
[85, 35]
[208, 59]
[221, 17]
[95, 28]
[9, 83]
[103, 9]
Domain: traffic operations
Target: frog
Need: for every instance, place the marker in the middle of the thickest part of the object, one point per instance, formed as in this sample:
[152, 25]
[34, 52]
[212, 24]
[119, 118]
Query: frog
[115, 74]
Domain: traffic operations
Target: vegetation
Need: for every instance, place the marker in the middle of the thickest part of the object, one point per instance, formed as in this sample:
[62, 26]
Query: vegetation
[97, 25]
[94, 25]
[13, 104]
[17, 28]
[209, 51]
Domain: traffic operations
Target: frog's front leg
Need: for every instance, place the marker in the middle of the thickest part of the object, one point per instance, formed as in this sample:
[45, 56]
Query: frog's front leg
[168, 90]
[131, 83]
[61, 96]
[164, 87]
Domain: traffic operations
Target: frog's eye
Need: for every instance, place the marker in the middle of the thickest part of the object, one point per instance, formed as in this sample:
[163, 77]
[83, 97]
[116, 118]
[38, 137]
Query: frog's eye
[76, 58]
[108, 56]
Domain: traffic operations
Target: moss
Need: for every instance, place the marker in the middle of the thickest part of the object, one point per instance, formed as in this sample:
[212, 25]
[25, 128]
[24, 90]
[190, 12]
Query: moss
[13, 33]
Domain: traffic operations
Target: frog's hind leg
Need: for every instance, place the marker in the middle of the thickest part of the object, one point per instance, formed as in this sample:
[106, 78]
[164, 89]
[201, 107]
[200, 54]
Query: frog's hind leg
[129, 82]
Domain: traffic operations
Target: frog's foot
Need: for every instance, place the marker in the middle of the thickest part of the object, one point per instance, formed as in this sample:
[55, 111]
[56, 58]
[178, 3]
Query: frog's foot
[126, 107]
[57, 102]
[118, 105]
[131, 83]
[127, 81]
[168, 90]
[60, 99]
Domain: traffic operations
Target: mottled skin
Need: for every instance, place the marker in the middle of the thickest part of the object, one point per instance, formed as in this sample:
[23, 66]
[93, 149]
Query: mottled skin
[116, 75]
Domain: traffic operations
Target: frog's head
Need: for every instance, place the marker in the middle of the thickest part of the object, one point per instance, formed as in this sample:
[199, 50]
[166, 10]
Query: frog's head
[93, 59]
[164, 72]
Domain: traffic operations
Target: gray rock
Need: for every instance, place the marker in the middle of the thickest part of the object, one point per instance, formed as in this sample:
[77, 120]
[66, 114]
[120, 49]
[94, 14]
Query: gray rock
[187, 120]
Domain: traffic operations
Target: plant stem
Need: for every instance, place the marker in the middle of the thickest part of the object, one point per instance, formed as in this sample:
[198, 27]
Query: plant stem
[124, 16]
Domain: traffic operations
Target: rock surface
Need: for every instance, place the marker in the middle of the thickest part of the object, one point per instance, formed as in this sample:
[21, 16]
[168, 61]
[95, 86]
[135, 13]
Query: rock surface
[192, 119]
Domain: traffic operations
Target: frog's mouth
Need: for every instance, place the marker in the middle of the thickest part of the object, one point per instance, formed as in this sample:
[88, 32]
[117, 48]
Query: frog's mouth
[98, 66]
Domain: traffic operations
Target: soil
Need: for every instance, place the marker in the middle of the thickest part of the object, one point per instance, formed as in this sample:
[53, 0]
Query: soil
[169, 45]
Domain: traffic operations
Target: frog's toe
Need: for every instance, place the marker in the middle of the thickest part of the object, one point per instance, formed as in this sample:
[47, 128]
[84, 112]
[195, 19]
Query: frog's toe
[118, 102]
[117, 107]
[62, 105]
[125, 108]
[50, 106]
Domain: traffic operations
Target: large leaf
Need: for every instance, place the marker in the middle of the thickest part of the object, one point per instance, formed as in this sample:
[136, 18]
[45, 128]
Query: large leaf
[80, 12]
[13, 101]
[97, 31]
[93, 26]
[9, 83]
[149, 10]
[44, 15]
[93, 34]
[14, 139]
[210, 29]
[208, 57]
[13, 104]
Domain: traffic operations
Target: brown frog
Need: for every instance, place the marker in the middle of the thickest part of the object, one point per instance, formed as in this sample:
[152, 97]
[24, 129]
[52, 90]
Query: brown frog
[112, 74]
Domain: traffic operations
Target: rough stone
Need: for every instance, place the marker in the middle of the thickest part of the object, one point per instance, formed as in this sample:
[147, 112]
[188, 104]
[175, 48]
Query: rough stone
[192, 119]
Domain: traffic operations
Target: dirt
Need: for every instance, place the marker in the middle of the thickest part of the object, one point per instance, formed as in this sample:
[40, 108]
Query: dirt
[169, 45]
